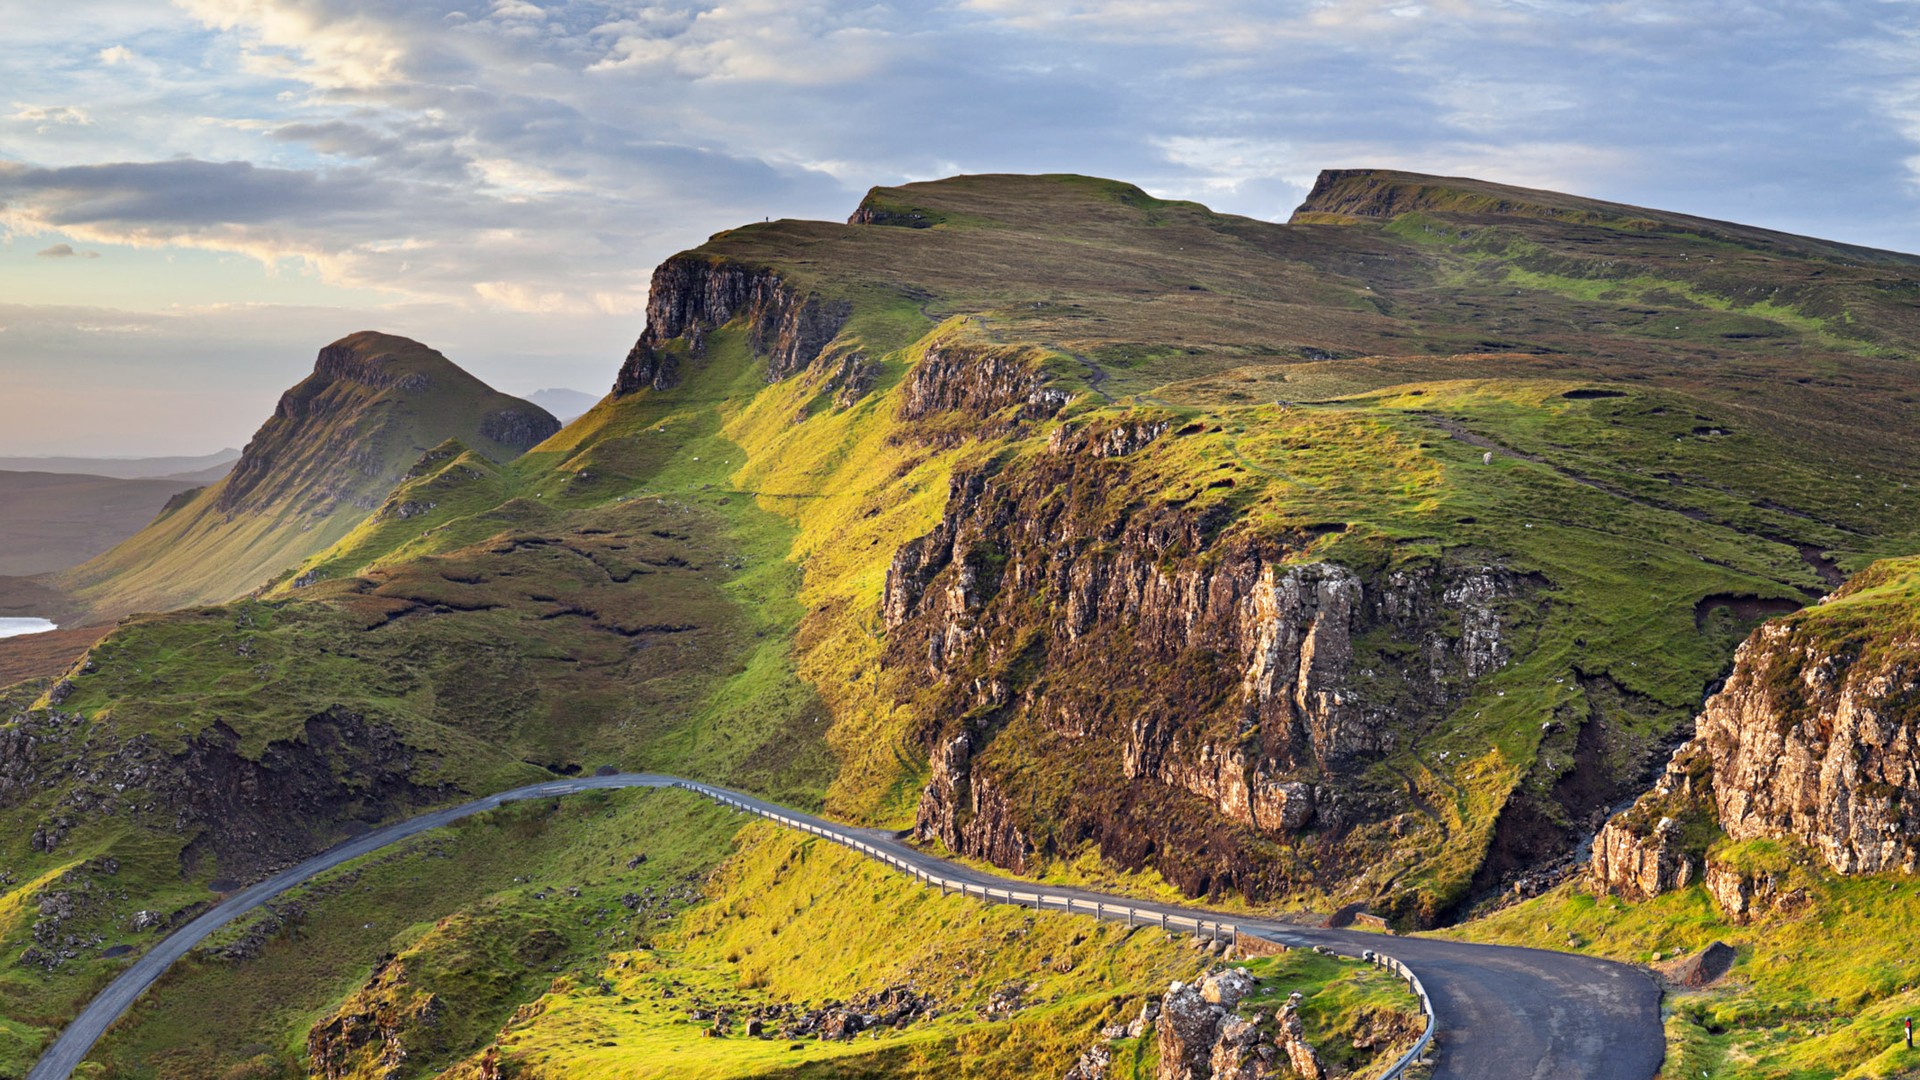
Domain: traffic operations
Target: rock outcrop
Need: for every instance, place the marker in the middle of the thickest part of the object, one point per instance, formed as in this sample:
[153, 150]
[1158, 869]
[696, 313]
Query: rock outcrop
[1813, 740]
[1745, 894]
[979, 381]
[1641, 866]
[247, 814]
[693, 295]
[1200, 1035]
[1181, 671]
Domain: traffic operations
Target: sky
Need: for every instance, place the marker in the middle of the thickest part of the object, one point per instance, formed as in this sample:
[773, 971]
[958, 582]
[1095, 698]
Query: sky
[196, 196]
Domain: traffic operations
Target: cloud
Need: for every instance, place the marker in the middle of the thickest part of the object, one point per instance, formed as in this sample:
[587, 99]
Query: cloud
[538, 156]
[65, 251]
[47, 117]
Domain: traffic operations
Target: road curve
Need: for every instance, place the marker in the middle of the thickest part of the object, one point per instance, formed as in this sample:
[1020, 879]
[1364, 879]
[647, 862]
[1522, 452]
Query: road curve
[1503, 1013]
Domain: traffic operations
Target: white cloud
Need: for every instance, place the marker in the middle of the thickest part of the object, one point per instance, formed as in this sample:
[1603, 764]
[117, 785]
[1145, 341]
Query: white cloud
[47, 117]
[526, 162]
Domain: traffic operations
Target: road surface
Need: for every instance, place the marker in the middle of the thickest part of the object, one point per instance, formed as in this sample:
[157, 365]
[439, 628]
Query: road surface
[1503, 1013]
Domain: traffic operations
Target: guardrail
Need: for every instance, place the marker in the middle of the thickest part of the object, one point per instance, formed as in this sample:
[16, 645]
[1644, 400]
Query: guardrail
[1399, 1067]
[1212, 930]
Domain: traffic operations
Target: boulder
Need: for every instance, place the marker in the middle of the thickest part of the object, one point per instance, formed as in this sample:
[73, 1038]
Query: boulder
[1226, 988]
[1705, 967]
[1185, 1031]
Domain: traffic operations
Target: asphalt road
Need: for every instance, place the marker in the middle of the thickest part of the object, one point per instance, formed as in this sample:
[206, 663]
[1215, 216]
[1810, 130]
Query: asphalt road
[1503, 1013]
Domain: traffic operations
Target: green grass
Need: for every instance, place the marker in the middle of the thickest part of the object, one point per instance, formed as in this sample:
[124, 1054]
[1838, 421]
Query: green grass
[797, 919]
[1813, 995]
[689, 580]
[478, 917]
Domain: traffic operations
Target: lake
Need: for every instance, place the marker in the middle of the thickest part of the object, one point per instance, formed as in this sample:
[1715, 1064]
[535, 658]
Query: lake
[16, 627]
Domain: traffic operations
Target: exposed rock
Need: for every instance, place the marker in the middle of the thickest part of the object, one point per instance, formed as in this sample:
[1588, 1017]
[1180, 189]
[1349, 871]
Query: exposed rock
[692, 295]
[1293, 1043]
[876, 209]
[1092, 1064]
[1642, 866]
[369, 1034]
[1705, 967]
[1179, 668]
[1236, 1053]
[248, 814]
[1226, 988]
[1149, 1012]
[1813, 741]
[519, 426]
[1200, 1036]
[1185, 1032]
[1106, 440]
[978, 381]
[1743, 895]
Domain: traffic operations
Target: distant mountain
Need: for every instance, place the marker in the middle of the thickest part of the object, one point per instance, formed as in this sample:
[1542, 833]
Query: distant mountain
[564, 404]
[335, 445]
[52, 520]
[1372, 558]
[204, 468]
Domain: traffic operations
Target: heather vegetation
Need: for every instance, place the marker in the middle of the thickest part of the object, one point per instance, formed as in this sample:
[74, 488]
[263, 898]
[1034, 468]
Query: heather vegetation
[913, 521]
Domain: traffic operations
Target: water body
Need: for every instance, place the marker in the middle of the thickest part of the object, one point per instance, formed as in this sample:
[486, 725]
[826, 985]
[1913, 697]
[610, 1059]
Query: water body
[16, 627]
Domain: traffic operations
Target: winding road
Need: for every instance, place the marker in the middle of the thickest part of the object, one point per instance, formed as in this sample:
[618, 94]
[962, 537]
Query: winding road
[1502, 1013]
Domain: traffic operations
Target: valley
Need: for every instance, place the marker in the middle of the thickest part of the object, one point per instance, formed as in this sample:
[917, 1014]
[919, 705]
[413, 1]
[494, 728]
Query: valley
[1367, 564]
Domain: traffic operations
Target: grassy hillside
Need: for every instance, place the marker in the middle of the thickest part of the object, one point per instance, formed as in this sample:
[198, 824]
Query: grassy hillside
[1639, 435]
[1816, 993]
[336, 444]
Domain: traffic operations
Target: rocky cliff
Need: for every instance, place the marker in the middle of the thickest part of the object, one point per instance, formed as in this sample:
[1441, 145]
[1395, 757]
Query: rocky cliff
[979, 381]
[693, 295]
[1141, 675]
[1814, 739]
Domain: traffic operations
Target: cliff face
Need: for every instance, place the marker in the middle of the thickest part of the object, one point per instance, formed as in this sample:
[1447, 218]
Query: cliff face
[1146, 663]
[692, 295]
[1812, 740]
[979, 381]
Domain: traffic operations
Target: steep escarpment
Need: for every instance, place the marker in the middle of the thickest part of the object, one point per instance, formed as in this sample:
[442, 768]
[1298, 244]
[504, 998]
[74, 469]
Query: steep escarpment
[334, 447]
[979, 381]
[692, 295]
[1152, 679]
[1814, 739]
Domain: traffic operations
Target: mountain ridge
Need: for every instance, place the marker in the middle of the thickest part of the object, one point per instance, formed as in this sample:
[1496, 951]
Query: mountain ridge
[336, 443]
[1096, 536]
